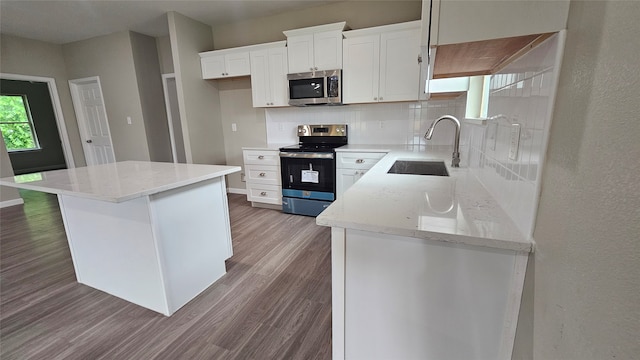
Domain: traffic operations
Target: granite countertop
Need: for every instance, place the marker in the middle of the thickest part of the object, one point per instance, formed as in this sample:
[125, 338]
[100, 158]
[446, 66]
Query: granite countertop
[454, 209]
[118, 182]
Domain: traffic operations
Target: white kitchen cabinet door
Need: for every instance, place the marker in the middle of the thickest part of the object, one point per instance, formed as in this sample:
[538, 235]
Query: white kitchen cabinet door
[268, 77]
[361, 73]
[225, 65]
[319, 51]
[327, 50]
[213, 67]
[300, 53]
[399, 67]
[237, 64]
[260, 91]
[345, 178]
[278, 67]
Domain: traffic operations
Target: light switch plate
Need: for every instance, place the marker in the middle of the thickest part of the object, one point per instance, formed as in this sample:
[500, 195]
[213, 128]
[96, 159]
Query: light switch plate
[514, 143]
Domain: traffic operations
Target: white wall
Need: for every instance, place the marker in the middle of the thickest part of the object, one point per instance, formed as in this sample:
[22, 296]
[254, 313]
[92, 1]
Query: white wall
[198, 100]
[147, 66]
[111, 58]
[587, 233]
[358, 14]
[521, 93]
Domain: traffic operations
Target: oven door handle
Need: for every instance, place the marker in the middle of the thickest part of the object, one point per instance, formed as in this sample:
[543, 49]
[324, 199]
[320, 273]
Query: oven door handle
[306, 155]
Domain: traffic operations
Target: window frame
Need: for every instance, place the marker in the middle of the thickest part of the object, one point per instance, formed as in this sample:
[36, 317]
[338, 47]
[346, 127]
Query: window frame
[34, 134]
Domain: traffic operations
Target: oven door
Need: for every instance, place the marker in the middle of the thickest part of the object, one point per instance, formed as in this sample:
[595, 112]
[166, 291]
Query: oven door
[308, 175]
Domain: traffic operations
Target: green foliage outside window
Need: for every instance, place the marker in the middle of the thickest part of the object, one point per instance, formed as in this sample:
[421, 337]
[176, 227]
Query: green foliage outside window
[15, 124]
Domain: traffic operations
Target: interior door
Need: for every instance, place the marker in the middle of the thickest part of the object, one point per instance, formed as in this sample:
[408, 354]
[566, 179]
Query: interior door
[92, 120]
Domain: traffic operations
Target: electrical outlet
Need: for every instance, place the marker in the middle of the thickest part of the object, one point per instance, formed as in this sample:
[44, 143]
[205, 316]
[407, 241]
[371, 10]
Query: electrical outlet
[234, 127]
[242, 177]
[129, 120]
[514, 143]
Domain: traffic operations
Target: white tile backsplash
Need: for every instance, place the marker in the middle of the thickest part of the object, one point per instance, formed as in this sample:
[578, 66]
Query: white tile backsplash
[402, 123]
[522, 93]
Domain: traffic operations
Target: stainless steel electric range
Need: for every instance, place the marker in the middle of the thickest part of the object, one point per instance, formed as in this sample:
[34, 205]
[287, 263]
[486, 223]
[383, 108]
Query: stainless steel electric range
[309, 169]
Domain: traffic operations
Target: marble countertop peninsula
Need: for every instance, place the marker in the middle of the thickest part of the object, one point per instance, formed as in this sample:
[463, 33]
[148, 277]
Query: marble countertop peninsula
[454, 209]
[120, 181]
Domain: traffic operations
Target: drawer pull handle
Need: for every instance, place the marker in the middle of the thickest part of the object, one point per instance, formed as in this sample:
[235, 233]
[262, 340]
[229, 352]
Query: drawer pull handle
[264, 193]
[359, 161]
[260, 157]
[263, 174]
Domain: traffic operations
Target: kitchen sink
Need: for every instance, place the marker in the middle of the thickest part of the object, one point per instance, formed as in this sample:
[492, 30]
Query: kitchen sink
[433, 168]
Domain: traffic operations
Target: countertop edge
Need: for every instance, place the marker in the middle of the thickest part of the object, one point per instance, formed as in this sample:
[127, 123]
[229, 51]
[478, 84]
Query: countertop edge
[127, 197]
[500, 244]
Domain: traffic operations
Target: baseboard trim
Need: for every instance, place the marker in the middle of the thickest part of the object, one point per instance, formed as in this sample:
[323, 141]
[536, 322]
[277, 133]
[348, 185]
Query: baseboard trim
[237, 191]
[14, 202]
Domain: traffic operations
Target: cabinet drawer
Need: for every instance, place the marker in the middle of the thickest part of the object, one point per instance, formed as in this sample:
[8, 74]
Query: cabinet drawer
[264, 157]
[263, 174]
[364, 161]
[268, 194]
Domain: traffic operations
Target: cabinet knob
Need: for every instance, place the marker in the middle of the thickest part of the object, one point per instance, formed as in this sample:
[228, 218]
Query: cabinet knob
[315, 68]
[264, 193]
[375, 98]
[380, 97]
[311, 68]
[263, 174]
[89, 141]
[359, 161]
[260, 157]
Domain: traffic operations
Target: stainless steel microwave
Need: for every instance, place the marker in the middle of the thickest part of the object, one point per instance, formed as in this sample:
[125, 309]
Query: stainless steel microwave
[315, 88]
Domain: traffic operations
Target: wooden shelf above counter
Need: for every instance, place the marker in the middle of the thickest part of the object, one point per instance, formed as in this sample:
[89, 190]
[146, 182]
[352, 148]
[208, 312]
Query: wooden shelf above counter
[481, 57]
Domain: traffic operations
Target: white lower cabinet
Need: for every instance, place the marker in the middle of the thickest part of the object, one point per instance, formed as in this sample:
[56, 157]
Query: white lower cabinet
[351, 166]
[262, 173]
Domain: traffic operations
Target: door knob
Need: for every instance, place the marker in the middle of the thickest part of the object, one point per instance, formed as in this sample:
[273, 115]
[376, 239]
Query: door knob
[89, 141]
[263, 174]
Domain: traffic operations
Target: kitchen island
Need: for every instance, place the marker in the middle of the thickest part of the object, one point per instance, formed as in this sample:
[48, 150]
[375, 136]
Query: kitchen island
[423, 267]
[154, 234]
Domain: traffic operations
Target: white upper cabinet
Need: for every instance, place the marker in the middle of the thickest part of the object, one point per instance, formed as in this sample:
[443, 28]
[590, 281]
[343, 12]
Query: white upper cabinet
[269, 76]
[381, 64]
[460, 21]
[315, 48]
[224, 63]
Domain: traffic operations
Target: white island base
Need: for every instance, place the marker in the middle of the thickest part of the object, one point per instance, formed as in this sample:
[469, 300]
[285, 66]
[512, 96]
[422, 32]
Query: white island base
[154, 234]
[158, 251]
[397, 297]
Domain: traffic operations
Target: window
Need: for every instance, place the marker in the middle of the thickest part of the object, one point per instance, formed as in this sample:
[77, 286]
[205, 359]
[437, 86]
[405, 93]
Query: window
[16, 124]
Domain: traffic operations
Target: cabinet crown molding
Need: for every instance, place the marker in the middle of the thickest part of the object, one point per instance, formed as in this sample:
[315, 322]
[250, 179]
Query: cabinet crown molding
[411, 25]
[248, 48]
[339, 26]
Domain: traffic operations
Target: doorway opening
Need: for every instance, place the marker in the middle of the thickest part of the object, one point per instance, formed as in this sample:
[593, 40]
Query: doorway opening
[29, 127]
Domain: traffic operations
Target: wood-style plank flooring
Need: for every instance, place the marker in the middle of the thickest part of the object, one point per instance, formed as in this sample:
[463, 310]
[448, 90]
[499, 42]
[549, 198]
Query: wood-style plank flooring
[273, 303]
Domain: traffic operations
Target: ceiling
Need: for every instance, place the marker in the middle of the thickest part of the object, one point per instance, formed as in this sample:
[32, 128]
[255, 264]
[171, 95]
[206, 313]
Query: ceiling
[61, 22]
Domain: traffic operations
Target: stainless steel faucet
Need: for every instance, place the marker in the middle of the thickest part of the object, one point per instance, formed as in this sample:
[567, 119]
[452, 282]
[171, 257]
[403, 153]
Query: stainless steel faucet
[455, 161]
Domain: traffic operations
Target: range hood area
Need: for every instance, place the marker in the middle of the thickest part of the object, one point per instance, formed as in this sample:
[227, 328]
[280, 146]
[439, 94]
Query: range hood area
[480, 57]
